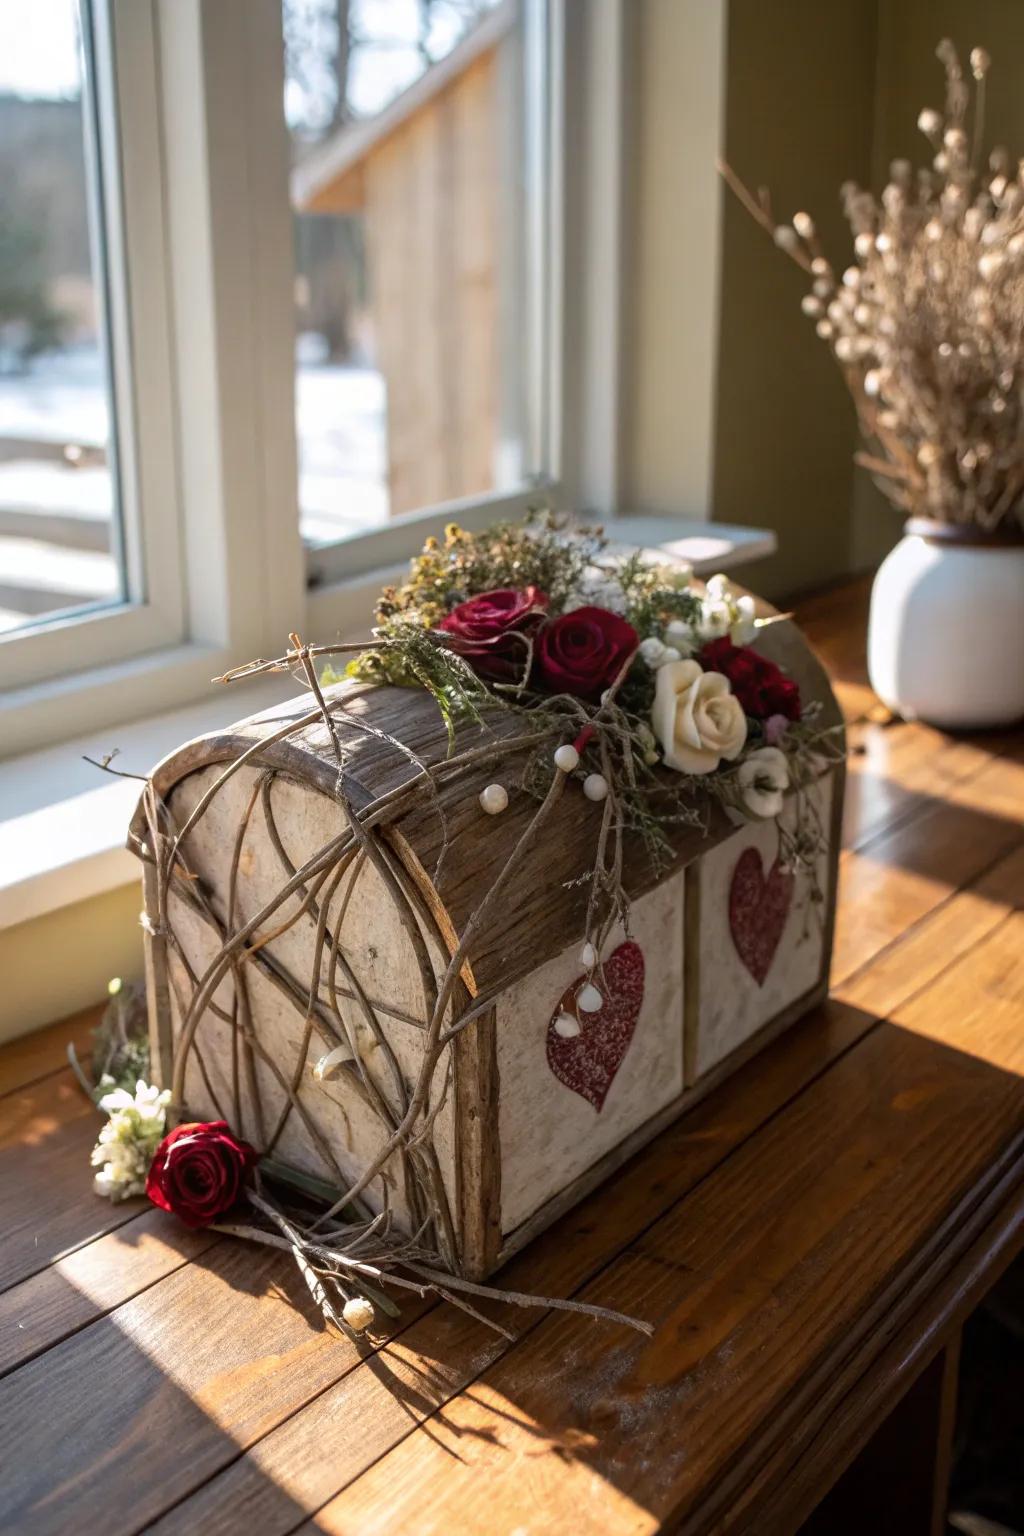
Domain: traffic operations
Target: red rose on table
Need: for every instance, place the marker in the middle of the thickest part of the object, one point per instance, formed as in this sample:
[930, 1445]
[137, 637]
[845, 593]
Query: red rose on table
[582, 652]
[198, 1172]
[489, 630]
[762, 688]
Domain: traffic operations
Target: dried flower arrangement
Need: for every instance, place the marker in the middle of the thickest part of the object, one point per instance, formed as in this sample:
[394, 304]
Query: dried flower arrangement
[610, 676]
[927, 323]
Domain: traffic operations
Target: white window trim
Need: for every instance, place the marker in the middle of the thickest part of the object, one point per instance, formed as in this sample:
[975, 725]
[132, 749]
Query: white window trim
[124, 147]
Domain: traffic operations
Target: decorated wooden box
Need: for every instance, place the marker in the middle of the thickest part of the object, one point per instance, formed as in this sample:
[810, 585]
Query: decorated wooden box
[393, 989]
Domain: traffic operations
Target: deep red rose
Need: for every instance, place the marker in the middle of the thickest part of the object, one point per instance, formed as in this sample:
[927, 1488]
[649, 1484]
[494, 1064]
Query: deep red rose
[762, 688]
[198, 1171]
[487, 630]
[582, 652]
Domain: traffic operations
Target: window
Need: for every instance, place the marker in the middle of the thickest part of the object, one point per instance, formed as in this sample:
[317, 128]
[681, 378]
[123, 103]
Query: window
[412, 195]
[82, 583]
[272, 349]
[60, 545]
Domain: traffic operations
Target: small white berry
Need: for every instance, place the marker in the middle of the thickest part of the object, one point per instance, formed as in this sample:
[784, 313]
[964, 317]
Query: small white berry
[595, 786]
[588, 957]
[566, 757]
[567, 1026]
[589, 998]
[494, 799]
[651, 650]
[679, 633]
[358, 1314]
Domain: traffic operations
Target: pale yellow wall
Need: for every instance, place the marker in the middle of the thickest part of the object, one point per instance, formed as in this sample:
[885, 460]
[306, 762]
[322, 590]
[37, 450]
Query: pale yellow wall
[55, 965]
[672, 256]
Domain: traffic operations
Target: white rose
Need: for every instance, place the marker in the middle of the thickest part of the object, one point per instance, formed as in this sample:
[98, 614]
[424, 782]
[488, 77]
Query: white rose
[696, 717]
[764, 778]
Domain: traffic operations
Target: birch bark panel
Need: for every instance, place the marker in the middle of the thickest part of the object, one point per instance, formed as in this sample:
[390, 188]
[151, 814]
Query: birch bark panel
[373, 942]
[733, 1004]
[550, 1134]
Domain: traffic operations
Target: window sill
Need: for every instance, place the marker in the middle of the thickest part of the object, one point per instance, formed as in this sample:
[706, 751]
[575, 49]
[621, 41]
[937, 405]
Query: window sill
[63, 823]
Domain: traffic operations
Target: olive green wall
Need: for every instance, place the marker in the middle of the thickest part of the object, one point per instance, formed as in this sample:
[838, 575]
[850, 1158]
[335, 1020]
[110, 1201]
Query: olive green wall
[810, 94]
[910, 77]
[799, 112]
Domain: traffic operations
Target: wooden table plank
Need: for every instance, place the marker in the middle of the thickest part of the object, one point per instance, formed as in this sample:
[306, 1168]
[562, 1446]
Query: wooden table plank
[766, 1271]
[47, 1207]
[92, 1280]
[165, 1390]
[27, 1059]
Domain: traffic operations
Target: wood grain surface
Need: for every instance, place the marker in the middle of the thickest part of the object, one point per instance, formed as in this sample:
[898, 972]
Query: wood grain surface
[806, 1241]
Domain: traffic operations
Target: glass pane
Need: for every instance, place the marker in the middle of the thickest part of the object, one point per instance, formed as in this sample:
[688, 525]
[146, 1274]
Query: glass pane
[407, 127]
[58, 540]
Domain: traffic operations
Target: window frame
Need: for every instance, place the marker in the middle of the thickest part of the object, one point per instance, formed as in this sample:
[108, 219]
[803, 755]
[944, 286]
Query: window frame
[211, 401]
[121, 157]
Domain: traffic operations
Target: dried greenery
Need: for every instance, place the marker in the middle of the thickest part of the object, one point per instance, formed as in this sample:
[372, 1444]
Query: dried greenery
[927, 323]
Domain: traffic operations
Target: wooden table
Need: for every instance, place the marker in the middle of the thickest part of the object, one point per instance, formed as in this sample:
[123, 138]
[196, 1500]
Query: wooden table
[808, 1242]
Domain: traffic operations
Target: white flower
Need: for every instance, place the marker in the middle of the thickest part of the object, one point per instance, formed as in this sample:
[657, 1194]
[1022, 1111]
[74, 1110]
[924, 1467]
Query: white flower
[764, 778]
[129, 1139]
[742, 628]
[715, 619]
[651, 650]
[718, 587]
[696, 717]
[598, 590]
[681, 636]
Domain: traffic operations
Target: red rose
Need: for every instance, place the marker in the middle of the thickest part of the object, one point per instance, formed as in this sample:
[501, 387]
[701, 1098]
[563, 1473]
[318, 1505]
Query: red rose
[762, 688]
[582, 652]
[488, 630]
[198, 1172]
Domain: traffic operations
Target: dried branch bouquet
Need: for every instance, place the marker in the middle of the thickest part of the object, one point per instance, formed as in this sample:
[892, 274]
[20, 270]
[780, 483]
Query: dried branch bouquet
[927, 323]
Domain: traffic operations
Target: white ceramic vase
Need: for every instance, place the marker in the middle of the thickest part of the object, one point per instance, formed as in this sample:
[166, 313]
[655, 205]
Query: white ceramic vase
[946, 632]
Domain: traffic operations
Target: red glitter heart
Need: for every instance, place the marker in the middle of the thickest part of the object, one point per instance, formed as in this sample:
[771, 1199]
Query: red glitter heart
[587, 1063]
[758, 908]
